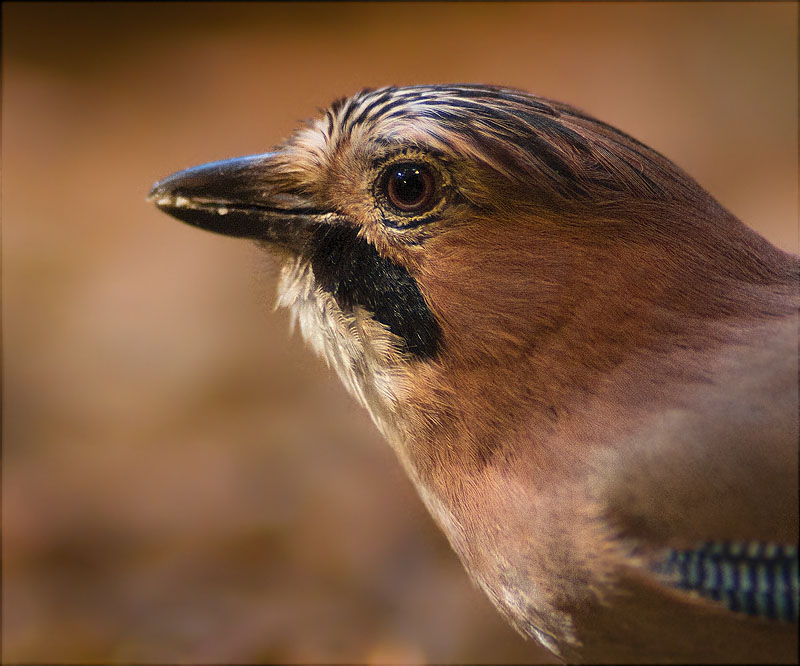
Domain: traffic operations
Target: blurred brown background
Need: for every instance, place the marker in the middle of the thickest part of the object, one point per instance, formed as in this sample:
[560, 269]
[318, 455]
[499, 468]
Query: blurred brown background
[183, 481]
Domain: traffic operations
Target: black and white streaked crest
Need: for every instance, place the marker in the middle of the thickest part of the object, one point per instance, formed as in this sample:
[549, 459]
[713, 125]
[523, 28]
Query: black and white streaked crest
[524, 137]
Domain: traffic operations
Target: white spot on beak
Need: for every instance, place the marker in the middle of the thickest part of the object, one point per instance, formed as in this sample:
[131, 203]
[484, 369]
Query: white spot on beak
[181, 202]
[222, 211]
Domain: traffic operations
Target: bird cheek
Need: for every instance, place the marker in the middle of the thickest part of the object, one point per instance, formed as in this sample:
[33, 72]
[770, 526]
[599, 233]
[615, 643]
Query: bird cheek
[491, 295]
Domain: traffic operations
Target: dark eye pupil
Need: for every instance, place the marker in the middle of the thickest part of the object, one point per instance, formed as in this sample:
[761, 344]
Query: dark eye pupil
[410, 187]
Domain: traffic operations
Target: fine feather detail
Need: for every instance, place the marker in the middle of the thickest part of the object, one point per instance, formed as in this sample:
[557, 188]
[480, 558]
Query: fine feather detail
[756, 578]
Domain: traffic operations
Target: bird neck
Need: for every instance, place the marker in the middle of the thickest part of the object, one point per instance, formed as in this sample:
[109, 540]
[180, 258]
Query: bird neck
[611, 304]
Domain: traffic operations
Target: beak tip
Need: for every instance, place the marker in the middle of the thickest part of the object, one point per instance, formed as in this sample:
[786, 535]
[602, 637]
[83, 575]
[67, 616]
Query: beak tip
[164, 197]
[155, 193]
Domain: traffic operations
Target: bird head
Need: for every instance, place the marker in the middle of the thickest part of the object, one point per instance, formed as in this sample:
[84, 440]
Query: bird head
[432, 237]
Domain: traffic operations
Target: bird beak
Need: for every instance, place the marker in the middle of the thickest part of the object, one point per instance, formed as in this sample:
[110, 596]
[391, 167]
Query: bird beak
[247, 197]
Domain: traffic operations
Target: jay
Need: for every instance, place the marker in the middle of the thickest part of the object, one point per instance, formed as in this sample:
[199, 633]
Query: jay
[586, 365]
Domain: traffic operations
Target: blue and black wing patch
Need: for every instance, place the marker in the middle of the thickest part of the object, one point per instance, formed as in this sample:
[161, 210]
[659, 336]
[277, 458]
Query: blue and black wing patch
[759, 579]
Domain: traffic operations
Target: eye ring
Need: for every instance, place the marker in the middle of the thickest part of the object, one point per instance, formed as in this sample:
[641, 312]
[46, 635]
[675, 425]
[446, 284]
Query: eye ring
[410, 187]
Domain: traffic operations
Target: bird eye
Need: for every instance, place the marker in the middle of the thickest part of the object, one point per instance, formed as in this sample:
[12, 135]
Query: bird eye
[410, 187]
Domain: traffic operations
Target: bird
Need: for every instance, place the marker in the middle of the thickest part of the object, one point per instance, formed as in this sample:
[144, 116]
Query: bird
[587, 366]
